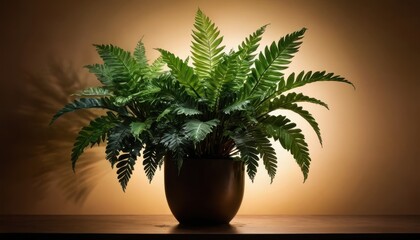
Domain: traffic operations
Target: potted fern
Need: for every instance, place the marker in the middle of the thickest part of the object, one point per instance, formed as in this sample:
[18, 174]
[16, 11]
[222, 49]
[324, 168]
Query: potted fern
[206, 120]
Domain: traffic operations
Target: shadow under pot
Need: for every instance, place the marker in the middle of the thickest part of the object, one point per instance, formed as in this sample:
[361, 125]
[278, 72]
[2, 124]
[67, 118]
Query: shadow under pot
[206, 191]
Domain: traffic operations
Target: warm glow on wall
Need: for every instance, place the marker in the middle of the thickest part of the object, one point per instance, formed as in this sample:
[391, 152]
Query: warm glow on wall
[370, 155]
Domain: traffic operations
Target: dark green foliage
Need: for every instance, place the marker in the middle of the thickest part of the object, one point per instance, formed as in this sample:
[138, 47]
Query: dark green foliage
[219, 106]
[247, 49]
[291, 138]
[85, 103]
[92, 134]
[247, 146]
[309, 77]
[224, 76]
[270, 63]
[125, 162]
[102, 72]
[115, 142]
[153, 157]
[197, 130]
[183, 73]
[155, 69]
[267, 152]
[123, 67]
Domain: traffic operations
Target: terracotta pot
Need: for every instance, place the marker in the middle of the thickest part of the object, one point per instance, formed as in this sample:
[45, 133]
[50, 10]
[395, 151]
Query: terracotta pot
[206, 191]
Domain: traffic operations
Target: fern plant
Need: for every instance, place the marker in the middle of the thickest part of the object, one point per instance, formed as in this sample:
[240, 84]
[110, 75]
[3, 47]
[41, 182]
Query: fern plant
[218, 106]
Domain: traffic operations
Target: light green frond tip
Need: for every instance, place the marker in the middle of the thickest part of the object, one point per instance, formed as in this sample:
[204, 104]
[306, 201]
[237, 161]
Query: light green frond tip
[206, 49]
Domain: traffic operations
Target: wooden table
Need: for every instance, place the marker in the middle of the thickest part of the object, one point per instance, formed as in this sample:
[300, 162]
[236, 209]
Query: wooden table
[241, 227]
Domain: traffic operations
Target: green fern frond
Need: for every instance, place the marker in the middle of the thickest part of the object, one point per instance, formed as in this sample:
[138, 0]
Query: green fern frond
[291, 138]
[171, 90]
[206, 50]
[125, 167]
[187, 111]
[245, 143]
[247, 49]
[156, 68]
[153, 157]
[123, 66]
[268, 67]
[309, 77]
[236, 106]
[197, 130]
[137, 128]
[295, 98]
[164, 113]
[251, 43]
[183, 73]
[288, 102]
[85, 103]
[173, 140]
[267, 153]
[140, 56]
[224, 76]
[115, 142]
[94, 92]
[102, 73]
[92, 134]
[126, 162]
[305, 115]
[176, 143]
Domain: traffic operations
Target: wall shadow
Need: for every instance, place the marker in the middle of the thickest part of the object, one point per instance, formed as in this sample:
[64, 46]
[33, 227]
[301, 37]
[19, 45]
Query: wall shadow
[49, 147]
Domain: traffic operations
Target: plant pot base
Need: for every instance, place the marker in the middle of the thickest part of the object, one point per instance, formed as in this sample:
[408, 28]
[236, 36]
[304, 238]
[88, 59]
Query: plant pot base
[206, 191]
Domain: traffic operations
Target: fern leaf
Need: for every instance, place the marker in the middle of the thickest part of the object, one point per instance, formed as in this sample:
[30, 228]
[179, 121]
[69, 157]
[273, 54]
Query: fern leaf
[251, 43]
[297, 97]
[187, 111]
[247, 49]
[183, 73]
[224, 76]
[153, 157]
[115, 142]
[267, 153]
[175, 142]
[247, 147]
[269, 66]
[197, 130]
[164, 113]
[291, 138]
[140, 56]
[138, 127]
[309, 77]
[206, 50]
[236, 106]
[307, 116]
[94, 92]
[287, 102]
[156, 68]
[102, 72]
[92, 134]
[123, 66]
[85, 103]
[126, 162]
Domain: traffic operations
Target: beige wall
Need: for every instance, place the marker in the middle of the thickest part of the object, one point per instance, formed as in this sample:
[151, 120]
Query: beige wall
[370, 159]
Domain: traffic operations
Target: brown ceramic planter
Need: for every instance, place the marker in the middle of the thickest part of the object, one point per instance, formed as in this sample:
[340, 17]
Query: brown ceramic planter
[206, 191]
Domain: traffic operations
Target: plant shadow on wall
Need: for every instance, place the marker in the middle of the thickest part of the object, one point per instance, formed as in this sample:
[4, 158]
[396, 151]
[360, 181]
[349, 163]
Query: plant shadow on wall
[50, 146]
